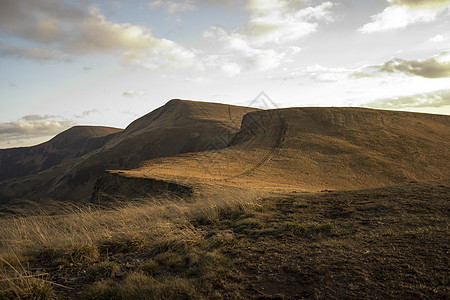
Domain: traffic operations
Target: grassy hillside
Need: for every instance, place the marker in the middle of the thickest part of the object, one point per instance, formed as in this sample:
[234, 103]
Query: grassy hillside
[313, 149]
[375, 243]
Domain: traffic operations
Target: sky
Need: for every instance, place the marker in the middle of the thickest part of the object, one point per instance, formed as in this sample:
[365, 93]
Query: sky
[99, 62]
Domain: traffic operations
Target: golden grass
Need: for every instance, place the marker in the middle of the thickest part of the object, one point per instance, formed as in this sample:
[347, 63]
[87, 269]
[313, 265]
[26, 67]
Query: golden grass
[81, 231]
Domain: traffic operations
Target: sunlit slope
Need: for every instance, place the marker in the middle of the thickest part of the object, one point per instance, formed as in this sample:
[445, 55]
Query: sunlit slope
[180, 126]
[72, 143]
[309, 149]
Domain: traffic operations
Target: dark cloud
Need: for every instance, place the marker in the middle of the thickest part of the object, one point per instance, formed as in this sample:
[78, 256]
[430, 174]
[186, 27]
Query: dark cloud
[433, 99]
[38, 20]
[429, 68]
[59, 29]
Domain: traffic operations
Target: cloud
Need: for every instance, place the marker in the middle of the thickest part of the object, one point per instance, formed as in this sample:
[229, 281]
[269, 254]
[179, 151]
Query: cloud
[36, 53]
[37, 20]
[439, 38]
[402, 13]
[436, 4]
[237, 53]
[173, 7]
[434, 67]
[267, 39]
[133, 93]
[319, 73]
[155, 4]
[32, 126]
[35, 117]
[59, 30]
[278, 21]
[432, 99]
[86, 113]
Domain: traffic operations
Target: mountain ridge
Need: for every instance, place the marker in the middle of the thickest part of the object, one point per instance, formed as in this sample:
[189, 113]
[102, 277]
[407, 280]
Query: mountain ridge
[213, 144]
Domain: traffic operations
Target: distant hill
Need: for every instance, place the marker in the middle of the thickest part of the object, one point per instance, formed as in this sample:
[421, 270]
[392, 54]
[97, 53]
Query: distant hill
[209, 145]
[72, 143]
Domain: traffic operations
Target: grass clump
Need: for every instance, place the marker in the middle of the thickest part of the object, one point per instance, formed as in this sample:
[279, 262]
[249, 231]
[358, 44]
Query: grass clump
[150, 267]
[26, 288]
[249, 223]
[171, 260]
[22, 284]
[222, 238]
[140, 286]
[84, 253]
[105, 269]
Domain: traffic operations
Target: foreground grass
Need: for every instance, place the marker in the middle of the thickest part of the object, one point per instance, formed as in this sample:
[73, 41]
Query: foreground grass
[379, 243]
[159, 233]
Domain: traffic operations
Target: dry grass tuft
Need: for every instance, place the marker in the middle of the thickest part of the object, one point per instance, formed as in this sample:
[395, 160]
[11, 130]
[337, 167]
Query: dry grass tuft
[141, 286]
[22, 284]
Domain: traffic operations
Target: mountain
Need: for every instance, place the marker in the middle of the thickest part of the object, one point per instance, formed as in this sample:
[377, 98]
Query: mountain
[72, 143]
[180, 126]
[188, 146]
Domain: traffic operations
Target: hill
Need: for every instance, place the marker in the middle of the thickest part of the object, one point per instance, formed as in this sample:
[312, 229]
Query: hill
[180, 126]
[188, 146]
[72, 143]
[314, 149]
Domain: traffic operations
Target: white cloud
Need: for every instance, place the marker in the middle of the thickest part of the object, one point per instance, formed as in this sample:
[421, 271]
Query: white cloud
[402, 13]
[279, 22]
[236, 53]
[439, 38]
[268, 38]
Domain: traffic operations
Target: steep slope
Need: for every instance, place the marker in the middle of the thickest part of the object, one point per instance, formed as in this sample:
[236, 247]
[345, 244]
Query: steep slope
[72, 143]
[312, 149]
[180, 126]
